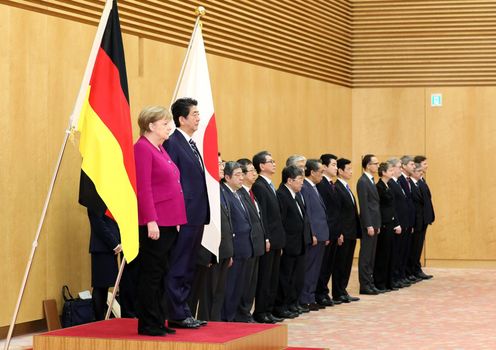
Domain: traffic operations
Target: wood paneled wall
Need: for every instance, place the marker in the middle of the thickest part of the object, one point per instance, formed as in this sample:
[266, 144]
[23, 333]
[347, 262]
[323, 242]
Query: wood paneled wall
[459, 140]
[41, 67]
[423, 42]
[309, 38]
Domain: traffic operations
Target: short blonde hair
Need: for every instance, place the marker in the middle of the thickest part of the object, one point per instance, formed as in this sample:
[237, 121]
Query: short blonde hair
[151, 114]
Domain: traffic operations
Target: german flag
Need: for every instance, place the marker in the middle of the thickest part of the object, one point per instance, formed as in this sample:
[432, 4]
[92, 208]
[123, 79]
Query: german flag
[108, 176]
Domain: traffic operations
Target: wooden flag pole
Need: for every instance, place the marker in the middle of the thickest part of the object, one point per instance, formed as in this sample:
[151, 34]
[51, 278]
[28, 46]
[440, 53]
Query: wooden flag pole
[114, 292]
[72, 125]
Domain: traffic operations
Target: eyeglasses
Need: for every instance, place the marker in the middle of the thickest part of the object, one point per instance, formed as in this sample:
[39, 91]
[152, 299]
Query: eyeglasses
[270, 161]
[377, 163]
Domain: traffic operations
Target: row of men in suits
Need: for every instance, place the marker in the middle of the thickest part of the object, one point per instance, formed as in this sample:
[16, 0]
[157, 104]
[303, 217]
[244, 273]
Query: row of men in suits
[280, 248]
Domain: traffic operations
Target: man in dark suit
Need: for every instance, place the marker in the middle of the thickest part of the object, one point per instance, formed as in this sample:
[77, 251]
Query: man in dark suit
[257, 236]
[210, 285]
[402, 210]
[407, 168]
[419, 226]
[184, 153]
[317, 215]
[243, 247]
[429, 215]
[349, 229]
[268, 269]
[370, 217]
[298, 238]
[327, 190]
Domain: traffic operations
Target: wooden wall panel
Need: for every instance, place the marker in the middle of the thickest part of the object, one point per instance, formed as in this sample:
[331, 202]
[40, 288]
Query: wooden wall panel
[40, 72]
[423, 42]
[309, 38]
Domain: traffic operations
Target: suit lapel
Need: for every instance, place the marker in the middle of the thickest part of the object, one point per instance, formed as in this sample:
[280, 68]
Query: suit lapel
[188, 150]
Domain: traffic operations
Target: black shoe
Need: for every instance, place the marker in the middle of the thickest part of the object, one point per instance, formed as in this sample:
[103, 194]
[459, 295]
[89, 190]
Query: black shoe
[423, 276]
[274, 318]
[154, 332]
[303, 309]
[189, 322]
[395, 286]
[294, 309]
[378, 290]
[313, 307]
[262, 318]
[341, 299]
[392, 288]
[285, 314]
[201, 322]
[368, 291]
[168, 330]
[325, 302]
[406, 282]
[413, 279]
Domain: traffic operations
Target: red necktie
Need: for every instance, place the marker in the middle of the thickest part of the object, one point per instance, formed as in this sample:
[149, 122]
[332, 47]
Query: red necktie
[409, 185]
[252, 196]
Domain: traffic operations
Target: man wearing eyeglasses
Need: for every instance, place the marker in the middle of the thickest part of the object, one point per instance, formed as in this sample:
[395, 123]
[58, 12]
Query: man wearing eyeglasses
[370, 218]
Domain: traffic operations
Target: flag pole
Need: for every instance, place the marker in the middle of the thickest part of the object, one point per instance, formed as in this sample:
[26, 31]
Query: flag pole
[114, 292]
[199, 12]
[73, 121]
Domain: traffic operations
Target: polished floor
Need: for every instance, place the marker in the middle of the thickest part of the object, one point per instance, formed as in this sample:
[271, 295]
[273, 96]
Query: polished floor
[454, 310]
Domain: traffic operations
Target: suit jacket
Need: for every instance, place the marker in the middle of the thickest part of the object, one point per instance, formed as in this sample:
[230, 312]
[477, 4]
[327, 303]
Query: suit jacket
[296, 225]
[226, 249]
[418, 202]
[388, 210]
[331, 200]
[316, 211]
[160, 196]
[241, 224]
[429, 215]
[104, 233]
[348, 214]
[408, 192]
[370, 208]
[271, 214]
[400, 203]
[192, 179]
[257, 234]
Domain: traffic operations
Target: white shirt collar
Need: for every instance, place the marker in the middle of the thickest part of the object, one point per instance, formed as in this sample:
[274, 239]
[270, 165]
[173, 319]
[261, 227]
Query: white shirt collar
[342, 181]
[247, 188]
[394, 178]
[327, 178]
[371, 177]
[414, 181]
[291, 191]
[310, 182]
[186, 136]
[266, 178]
[405, 175]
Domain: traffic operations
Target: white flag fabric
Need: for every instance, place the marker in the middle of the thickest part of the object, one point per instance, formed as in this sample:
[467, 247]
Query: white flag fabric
[195, 83]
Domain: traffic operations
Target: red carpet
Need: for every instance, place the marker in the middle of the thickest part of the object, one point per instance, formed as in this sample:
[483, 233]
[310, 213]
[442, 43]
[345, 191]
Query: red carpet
[125, 328]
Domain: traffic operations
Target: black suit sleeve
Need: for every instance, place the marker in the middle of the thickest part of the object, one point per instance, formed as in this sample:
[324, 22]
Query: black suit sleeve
[100, 228]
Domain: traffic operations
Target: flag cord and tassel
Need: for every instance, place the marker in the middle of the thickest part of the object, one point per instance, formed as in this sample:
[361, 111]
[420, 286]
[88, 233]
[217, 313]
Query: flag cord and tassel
[76, 111]
[116, 288]
[199, 11]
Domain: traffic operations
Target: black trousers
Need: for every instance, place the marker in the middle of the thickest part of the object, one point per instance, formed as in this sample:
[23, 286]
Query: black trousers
[397, 246]
[198, 288]
[342, 267]
[243, 314]
[322, 291]
[268, 280]
[406, 243]
[414, 266]
[153, 260]
[383, 267]
[291, 281]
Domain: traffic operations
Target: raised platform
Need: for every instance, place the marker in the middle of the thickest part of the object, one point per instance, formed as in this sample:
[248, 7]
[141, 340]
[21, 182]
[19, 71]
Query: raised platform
[120, 333]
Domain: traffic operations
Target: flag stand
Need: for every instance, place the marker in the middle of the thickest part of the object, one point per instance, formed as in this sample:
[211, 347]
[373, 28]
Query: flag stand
[116, 286]
[73, 121]
[35, 242]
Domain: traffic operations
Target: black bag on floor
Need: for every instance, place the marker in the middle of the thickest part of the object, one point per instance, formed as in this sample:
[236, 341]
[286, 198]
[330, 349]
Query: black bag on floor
[76, 311]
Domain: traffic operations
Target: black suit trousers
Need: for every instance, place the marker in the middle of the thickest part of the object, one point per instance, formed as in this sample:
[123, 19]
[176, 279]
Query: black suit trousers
[244, 310]
[322, 291]
[211, 298]
[291, 280]
[383, 268]
[153, 261]
[342, 267]
[418, 238]
[268, 280]
[406, 244]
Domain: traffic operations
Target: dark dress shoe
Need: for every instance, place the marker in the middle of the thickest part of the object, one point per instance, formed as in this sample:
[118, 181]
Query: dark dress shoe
[325, 302]
[189, 322]
[342, 299]
[312, 307]
[368, 291]
[294, 309]
[413, 279]
[262, 318]
[154, 332]
[395, 286]
[303, 308]
[201, 322]
[423, 276]
[350, 298]
[168, 330]
[406, 282]
[336, 302]
[274, 318]
[377, 290]
[285, 314]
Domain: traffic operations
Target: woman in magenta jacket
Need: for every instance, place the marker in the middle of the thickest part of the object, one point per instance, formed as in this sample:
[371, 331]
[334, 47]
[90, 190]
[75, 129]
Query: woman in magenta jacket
[160, 210]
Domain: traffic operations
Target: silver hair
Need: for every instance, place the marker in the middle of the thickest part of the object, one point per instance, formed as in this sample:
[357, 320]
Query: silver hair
[406, 159]
[292, 160]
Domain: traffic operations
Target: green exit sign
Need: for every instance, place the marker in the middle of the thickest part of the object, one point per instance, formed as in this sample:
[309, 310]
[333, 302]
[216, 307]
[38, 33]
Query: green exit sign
[436, 100]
